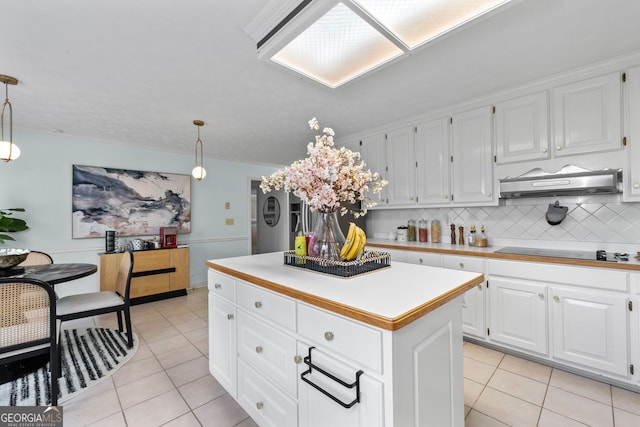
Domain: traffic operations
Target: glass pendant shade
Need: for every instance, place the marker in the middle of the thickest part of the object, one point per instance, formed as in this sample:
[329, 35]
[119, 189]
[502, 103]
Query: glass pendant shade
[8, 151]
[199, 173]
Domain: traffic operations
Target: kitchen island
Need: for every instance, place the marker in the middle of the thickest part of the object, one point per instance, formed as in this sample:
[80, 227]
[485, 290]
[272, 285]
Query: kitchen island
[298, 348]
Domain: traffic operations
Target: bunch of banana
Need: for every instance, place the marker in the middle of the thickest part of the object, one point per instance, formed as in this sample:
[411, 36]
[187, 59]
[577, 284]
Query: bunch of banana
[354, 244]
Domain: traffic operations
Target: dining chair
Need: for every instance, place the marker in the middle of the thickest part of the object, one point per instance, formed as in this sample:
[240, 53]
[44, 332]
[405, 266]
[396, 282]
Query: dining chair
[37, 258]
[94, 303]
[28, 325]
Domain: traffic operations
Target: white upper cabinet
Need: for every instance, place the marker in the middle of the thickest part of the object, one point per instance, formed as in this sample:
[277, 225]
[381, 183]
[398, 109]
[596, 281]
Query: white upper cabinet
[432, 155]
[401, 165]
[632, 180]
[522, 128]
[373, 152]
[472, 157]
[587, 116]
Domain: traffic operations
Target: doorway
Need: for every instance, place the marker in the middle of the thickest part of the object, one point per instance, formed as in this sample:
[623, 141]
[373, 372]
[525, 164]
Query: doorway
[269, 220]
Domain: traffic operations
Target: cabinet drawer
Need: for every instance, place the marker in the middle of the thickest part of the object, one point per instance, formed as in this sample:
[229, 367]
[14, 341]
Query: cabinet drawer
[151, 260]
[267, 405]
[222, 285]
[464, 263]
[268, 350]
[360, 343]
[424, 258]
[588, 277]
[262, 303]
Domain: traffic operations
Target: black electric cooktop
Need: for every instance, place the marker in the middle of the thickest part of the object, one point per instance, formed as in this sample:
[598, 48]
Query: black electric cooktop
[559, 253]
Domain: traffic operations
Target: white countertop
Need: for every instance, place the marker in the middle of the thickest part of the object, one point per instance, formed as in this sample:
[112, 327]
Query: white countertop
[399, 294]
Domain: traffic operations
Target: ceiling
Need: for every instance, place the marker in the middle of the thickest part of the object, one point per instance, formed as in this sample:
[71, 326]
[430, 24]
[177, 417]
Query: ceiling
[139, 72]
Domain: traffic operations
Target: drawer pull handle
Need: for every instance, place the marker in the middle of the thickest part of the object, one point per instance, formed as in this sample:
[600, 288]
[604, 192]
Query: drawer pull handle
[356, 383]
[461, 265]
[420, 260]
[229, 316]
[479, 286]
[328, 336]
[258, 349]
[541, 295]
[297, 359]
[636, 185]
[217, 286]
[258, 304]
[259, 405]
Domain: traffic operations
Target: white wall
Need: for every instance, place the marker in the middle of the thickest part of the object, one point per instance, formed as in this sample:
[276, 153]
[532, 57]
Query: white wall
[40, 181]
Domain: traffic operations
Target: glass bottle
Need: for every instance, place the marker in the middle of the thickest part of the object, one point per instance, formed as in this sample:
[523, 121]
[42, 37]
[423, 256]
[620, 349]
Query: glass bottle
[482, 240]
[423, 233]
[411, 230]
[436, 231]
[471, 240]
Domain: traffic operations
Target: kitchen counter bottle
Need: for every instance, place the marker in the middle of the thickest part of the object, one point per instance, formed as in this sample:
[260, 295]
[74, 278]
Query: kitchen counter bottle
[423, 233]
[411, 230]
[436, 231]
[471, 240]
[482, 240]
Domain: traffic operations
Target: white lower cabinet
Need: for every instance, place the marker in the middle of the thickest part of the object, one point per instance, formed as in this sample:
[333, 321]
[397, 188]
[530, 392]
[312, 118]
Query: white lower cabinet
[589, 328]
[473, 302]
[267, 405]
[574, 316]
[318, 410]
[518, 314]
[222, 328]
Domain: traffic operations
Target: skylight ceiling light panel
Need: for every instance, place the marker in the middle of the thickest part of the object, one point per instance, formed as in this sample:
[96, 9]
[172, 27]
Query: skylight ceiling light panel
[417, 21]
[337, 48]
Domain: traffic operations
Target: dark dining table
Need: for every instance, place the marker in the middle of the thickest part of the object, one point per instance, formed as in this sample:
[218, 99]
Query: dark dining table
[51, 273]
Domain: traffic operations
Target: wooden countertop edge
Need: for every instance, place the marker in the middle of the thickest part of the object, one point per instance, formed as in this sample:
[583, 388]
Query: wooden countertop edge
[391, 324]
[621, 265]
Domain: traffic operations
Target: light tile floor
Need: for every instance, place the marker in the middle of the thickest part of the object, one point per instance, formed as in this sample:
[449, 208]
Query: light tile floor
[167, 383]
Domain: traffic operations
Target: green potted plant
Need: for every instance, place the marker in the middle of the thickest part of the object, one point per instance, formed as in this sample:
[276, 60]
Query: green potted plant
[10, 224]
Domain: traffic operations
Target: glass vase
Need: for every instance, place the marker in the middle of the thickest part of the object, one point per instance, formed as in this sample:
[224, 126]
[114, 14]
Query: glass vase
[327, 239]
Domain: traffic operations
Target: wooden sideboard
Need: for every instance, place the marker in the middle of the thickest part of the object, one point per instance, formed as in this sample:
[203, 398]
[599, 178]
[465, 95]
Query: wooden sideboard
[157, 273]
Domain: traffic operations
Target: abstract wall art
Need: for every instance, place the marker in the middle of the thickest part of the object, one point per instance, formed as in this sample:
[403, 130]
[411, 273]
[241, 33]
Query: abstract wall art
[133, 203]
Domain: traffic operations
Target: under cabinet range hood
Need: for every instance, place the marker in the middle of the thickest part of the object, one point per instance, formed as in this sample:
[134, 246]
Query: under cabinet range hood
[568, 181]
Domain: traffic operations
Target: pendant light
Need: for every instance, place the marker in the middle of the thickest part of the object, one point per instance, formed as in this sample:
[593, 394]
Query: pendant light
[198, 171]
[8, 150]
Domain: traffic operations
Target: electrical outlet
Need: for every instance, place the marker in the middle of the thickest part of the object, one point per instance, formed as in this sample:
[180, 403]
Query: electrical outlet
[228, 221]
[227, 205]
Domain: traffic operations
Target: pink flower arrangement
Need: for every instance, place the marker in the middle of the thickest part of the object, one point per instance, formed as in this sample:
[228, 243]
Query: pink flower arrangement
[328, 177]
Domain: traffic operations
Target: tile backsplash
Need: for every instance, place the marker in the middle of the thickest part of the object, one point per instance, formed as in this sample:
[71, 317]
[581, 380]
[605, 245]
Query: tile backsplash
[595, 221]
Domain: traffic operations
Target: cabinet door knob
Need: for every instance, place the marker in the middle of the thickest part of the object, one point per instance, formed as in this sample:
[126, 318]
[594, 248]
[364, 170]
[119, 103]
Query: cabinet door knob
[461, 264]
[297, 359]
[420, 260]
[479, 286]
[446, 196]
[558, 147]
[489, 194]
[259, 349]
[229, 316]
[541, 295]
[636, 185]
[217, 286]
[556, 298]
[328, 336]
[544, 150]
[258, 304]
[259, 405]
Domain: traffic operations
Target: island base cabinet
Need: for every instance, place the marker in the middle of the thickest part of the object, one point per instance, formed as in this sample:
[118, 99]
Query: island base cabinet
[222, 336]
[319, 410]
[267, 405]
[589, 329]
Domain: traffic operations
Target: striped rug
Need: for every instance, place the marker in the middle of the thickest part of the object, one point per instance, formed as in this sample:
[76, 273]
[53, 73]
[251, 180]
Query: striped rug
[89, 355]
